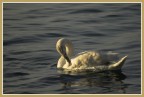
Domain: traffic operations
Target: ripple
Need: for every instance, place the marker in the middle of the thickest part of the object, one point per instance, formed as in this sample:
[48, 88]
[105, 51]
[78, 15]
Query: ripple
[59, 20]
[86, 11]
[52, 35]
[10, 59]
[130, 46]
[35, 24]
[34, 17]
[93, 34]
[32, 11]
[90, 21]
[20, 40]
[132, 7]
[50, 79]
[91, 42]
[38, 11]
[134, 61]
[20, 52]
[12, 19]
[5, 8]
[14, 74]
[114, 15]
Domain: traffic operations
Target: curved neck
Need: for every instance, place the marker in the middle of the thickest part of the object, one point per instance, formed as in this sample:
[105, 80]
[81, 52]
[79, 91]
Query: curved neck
[69, 49]
[65, 48]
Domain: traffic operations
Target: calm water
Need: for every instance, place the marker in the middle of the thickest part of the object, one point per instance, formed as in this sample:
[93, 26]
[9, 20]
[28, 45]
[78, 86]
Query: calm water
[30, 32]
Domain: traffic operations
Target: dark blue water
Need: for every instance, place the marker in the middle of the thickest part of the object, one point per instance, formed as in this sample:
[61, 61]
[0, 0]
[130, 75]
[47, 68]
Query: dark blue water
[30, 32]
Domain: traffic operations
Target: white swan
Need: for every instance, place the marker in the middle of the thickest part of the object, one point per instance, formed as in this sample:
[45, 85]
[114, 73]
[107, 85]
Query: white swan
[86, 60]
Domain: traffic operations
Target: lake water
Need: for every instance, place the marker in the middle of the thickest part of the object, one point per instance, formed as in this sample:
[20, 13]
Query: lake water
[30, 33]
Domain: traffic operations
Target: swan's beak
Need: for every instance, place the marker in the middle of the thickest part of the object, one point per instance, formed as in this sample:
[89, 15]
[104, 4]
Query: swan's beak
[67, 58]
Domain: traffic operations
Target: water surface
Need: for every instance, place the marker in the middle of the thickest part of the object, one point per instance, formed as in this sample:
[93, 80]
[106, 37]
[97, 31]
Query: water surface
[30, 32]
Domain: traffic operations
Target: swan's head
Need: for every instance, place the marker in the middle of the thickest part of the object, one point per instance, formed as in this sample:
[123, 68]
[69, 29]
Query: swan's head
[63, 47]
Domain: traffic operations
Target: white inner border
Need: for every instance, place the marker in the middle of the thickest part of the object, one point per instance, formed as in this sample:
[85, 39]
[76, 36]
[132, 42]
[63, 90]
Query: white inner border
[72, 94]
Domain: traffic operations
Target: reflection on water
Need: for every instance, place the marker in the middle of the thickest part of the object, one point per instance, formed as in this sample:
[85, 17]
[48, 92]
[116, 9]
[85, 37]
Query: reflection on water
[112, 81]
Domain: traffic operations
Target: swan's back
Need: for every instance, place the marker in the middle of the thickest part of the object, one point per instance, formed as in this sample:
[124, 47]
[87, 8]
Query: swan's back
[89, 59]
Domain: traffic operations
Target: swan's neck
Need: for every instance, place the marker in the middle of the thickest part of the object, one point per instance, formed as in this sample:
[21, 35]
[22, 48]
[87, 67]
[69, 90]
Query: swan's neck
[69, 49]
[65, 48]
[62, 61]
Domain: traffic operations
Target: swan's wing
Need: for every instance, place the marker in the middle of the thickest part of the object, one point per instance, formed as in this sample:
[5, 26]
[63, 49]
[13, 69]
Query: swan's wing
[105, 57]
[87, 58]
[82, 53]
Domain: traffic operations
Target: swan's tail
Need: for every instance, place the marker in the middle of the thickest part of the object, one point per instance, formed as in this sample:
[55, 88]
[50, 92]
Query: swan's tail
[119, 64]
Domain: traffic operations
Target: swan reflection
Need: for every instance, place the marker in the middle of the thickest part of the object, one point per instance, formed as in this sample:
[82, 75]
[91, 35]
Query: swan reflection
[108, 82]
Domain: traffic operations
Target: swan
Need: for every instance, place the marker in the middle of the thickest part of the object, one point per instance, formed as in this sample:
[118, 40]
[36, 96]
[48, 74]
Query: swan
[86, 60]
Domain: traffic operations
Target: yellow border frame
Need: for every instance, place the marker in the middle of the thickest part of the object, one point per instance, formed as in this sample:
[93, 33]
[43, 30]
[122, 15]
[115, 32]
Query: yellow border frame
[67, 95]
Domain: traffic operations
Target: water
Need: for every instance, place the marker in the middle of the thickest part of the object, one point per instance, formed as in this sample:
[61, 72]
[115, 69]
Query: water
[30, 32]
